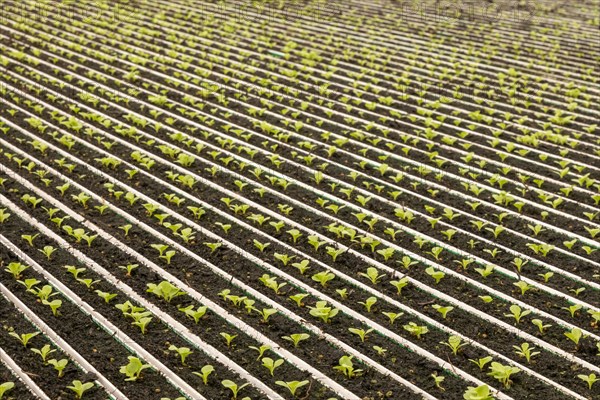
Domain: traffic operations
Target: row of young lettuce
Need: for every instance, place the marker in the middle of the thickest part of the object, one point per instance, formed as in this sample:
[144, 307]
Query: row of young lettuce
[194, 206]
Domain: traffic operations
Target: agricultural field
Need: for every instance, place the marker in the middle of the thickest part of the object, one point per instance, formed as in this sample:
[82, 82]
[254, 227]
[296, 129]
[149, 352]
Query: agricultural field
[314, 200]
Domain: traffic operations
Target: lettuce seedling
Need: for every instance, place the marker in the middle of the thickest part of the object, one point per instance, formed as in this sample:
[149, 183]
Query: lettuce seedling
[292, 386]
[315, 243]
[45, 292]
[478, 393]
[235, 389]
[88, 282]
[387, 253]
[407, 262]
[435, 252]
[271, 283]
[165, 290]
[442, 310]
[369, 303]
[438, 381]
[481, 362]
[271, 364]
[361, 333]
[236, 300]
[259, 218]
[173, 227]
[213, 246]
[126, 228]
[323, 277]
[266, 313]
[392, 316]
[59, 365]
[277, 225]
[261, 350]
[80, 388]
[31, 200]
[525, 351]
[63, 189]
[298, 298]
[346, 367]
[595, 316]
[141, 320]
[284, 258]
[542, 328]
[436, 275]
[44, 352]
[503, 373]
[373, 275]
[204, 373]
[24, 338]
[399, 284]
[129, 309]
[129, 268]
[574, 335]
[82, 199]
[133, 369]
[196, 314]
[249, 305]
[29, 284]
[4, 216]
[485, 272]
[16, 269]
[29, 238]
[589, 379]
[197, 211]
[517, 313]
[392, 233]
[228, 338]
[161, 248]
[524, 286]
[59, 221]
[186, 234]
[296, 338]
[301, 266]
[573, 309]
[415, 329]
[455, 343]
[183, 352]
[74, 270]
[54, 305]
[334, 253]
[295, 234]
[464, 263]
[321, 310]
[47, 251]
[260, 246]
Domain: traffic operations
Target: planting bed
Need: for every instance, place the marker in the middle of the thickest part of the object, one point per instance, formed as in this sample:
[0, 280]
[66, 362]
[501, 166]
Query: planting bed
[299, 200]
